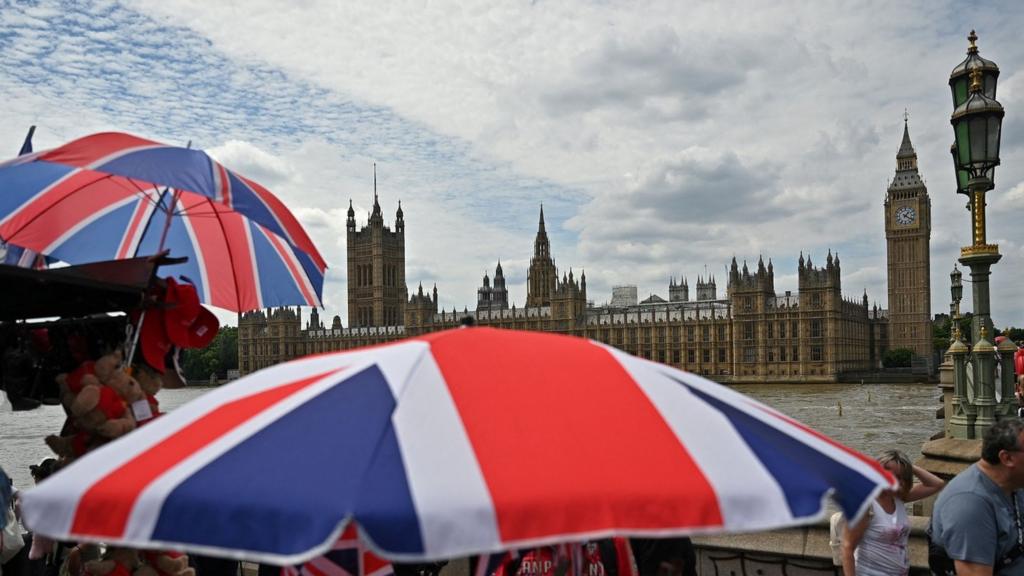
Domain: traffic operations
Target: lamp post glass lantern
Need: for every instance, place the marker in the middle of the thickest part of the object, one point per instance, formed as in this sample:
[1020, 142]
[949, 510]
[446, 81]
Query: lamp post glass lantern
[956, 287]
[977, 124]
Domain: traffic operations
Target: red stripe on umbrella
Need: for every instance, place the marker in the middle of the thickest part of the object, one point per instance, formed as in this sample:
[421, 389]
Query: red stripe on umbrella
[90, 149]
[512, 423]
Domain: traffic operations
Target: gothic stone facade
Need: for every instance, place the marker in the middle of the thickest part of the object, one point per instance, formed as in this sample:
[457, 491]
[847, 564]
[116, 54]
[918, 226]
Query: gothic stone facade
[750, 335]
[908, 224]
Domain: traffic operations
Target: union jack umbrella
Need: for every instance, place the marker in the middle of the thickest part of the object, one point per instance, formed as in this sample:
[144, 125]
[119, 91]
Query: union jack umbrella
[113, 195]
[458, 443]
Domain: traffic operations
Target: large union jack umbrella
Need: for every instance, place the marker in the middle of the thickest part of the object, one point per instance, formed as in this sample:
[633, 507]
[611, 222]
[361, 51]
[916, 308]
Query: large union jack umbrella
[110, 195]
[462, 442]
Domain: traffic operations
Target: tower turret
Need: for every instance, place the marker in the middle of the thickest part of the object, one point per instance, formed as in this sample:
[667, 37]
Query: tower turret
[542, 275]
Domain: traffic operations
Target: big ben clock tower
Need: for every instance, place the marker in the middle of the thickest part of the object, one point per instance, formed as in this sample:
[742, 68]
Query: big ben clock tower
[908, 226]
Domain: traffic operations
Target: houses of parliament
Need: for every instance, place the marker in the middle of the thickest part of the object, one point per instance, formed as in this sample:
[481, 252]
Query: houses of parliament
[746, 333]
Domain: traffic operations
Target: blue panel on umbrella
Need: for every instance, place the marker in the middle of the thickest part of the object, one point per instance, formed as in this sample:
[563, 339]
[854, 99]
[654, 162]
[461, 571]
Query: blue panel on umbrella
[175, 167]
[99, 240]
[285, 489]
[276, 284]
[803, 473]
[23, 181]
[179, 243]
[312, 272]
[244, 200]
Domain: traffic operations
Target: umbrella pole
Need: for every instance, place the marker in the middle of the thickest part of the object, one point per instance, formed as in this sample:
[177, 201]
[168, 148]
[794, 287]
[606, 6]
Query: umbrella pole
[167, 220]
[134, 340]
[130, 355]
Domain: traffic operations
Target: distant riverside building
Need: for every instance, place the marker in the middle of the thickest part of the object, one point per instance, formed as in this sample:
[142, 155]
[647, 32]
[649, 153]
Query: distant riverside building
[751, 334]
[623, 296]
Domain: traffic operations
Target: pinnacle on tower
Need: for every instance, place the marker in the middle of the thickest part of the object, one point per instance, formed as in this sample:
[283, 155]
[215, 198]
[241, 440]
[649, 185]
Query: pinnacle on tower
[376, 203]
[906, 148]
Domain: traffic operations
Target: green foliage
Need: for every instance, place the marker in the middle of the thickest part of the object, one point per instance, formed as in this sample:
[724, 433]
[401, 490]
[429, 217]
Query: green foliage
[217, 358]
[897, 358]
[942, 330]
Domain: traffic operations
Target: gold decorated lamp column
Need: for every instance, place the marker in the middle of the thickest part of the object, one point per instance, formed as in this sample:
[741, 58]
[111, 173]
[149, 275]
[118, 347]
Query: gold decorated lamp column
[984, 364]
[961, 420]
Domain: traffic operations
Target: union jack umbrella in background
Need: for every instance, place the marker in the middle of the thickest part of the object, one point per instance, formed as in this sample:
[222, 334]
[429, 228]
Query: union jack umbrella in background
[113, 195]
[347, 557]
[458, 443]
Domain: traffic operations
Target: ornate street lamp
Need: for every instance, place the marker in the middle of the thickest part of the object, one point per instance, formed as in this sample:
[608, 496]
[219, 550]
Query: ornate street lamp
[977, 125]
[959, 78]
[956, 290]
[959, 87]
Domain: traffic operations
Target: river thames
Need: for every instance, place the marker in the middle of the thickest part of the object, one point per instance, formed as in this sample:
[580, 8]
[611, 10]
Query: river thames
[874, 417]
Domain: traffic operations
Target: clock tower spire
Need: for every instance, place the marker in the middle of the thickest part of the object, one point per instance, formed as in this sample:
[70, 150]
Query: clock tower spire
[908, 233]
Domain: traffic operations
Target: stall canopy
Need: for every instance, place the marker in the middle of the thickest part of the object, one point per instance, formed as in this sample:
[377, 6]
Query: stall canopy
[75, 291]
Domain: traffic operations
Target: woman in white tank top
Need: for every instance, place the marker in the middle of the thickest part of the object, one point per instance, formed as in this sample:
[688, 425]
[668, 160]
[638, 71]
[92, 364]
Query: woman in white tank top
[877, 545]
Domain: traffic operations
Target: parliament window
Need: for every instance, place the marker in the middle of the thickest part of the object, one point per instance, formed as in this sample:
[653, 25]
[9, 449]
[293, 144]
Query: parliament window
[750, 354]
[782, 329]
[705, 355]
[691, 356]
[689, 333]
[748, 330]
[721, 333]
[796, 354]
[815, 328]
[771, 331]
[721, 354]
[816, 353]
[705, 333]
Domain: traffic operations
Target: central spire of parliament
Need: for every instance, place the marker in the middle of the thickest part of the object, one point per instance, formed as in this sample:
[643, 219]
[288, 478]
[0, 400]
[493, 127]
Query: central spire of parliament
[541, 277]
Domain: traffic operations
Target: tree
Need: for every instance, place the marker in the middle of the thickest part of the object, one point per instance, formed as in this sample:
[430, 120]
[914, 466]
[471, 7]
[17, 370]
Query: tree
[897, 358]
[942, 330]
[217, 358]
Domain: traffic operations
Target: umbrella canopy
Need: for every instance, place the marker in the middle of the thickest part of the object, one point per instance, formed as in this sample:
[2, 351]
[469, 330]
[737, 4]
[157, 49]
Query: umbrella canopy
[146, 164]
[462, 442]
[82, 216]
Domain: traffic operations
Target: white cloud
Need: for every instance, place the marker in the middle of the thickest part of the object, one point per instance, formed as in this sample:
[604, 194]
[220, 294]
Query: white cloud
[248, 159]
[661, 136]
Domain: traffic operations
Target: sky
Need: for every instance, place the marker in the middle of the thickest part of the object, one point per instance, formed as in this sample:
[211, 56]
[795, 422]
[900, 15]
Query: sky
[662, 138]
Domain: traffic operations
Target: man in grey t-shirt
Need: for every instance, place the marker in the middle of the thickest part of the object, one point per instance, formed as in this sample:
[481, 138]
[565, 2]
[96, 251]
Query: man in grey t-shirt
[977, 517]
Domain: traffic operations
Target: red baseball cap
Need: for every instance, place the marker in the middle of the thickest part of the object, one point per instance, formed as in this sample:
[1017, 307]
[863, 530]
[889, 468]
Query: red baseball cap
[153, 339]
[202, 331]
[182, 308]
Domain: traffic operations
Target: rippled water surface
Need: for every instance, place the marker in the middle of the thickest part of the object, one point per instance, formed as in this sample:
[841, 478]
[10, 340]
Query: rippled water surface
[874, 417]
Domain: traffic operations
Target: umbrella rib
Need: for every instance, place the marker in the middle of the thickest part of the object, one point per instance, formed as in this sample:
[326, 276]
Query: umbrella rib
[51, 206]
[159, 202]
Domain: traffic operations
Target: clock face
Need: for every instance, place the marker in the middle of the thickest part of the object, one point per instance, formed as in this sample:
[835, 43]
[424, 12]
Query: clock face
[905, 215]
